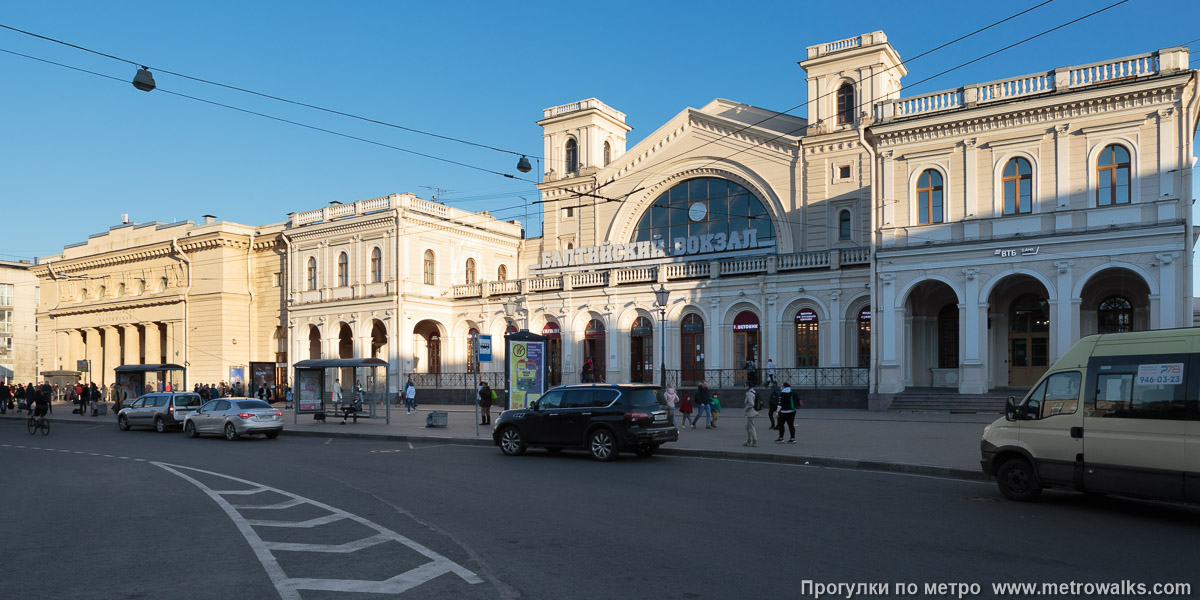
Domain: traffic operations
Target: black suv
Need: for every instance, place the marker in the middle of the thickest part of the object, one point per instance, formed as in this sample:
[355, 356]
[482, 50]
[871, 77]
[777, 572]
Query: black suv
[604, 419]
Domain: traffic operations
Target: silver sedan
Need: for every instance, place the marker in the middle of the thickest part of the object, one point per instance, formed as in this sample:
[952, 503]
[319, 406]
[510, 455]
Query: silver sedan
[233, 418]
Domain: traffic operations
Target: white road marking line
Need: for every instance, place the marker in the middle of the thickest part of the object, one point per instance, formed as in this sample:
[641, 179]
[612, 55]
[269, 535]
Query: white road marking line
[289, 587]
[249, 492]
[346, 548]
[309, 524]
[281, 505]
[411, 447]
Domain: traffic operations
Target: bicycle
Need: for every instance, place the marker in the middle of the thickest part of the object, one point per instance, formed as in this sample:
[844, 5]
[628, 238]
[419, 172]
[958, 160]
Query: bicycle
[38, 422]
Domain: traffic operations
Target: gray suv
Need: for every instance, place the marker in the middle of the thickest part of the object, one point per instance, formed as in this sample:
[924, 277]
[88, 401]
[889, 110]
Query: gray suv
[160, 410]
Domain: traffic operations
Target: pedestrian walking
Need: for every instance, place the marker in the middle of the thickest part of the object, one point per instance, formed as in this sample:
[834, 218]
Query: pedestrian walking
[410, 396]
[750, 412]
[787, 413]
[287, 394]
[751, 371]
[5, 397]
[486, 397]
[716, 409]
[685, 409]
[703, 406]
[672, 399]
[770, 370]
[773, 403]
[588, 370]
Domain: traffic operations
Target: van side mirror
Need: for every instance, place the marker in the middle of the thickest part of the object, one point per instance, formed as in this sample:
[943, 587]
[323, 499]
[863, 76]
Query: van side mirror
[535, 406]
[1010, 409]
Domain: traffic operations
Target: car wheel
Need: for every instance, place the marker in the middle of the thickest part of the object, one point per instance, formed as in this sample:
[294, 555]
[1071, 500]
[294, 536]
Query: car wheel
[602, 445]
[189, 429]
[646, 451]
[272, 435]
[231, 433]
[553, 449]
[160, 425]
[122, 423]
[511, 442]
[1017, 480]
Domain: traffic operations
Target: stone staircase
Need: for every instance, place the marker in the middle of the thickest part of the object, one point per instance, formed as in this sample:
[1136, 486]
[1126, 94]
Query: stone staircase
[943, 400]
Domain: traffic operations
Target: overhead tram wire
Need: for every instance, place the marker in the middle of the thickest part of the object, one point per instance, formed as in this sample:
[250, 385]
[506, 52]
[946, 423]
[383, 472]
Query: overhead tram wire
[959, 66]
[269, 96]
[776, 114]
[281, 120]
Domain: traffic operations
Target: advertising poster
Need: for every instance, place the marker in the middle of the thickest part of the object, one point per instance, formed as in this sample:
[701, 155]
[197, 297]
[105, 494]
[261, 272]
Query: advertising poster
[527, 373]
[308, 391]
[262, 375]
[237, 377]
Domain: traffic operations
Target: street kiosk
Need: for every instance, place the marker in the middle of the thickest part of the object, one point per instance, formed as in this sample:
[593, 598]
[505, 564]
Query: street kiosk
[136, 380]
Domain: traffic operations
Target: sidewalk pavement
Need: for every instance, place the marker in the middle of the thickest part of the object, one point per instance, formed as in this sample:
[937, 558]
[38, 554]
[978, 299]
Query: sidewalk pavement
[936, 444]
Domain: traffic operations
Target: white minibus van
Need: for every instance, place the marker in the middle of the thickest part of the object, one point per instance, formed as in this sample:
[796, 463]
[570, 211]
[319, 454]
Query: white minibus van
[1118, 413]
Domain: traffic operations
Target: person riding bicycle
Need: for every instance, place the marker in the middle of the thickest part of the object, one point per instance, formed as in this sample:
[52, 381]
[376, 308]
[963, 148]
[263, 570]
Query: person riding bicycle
[41, 402]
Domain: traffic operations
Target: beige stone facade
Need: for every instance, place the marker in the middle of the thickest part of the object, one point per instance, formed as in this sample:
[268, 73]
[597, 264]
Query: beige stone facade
[202, 296]
[18, 326]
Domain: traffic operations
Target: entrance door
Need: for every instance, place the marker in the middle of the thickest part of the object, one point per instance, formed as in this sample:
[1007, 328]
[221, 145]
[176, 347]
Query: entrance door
[434, 347]
[593, 348]
[745, 344]
[641, 351]
[553, 354]
[691, 350]
[1028, 340]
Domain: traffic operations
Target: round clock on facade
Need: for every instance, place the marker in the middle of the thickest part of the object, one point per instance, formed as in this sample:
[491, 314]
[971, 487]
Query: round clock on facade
[697, 211]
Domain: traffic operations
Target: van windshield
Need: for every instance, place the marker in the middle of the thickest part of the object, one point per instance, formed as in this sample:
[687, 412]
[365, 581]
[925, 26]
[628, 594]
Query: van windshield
[187, 401]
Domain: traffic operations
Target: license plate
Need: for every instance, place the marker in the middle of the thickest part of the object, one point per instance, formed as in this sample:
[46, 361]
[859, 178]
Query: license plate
[660, 417]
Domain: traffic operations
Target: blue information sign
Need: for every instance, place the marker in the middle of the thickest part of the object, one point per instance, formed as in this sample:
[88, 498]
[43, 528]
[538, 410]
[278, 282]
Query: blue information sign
[484, 347]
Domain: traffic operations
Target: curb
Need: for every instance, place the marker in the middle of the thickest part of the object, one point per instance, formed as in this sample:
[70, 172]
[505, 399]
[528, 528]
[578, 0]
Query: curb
[812, 461]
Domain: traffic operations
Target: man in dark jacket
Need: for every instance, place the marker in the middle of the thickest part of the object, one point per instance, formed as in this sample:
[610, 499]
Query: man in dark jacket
[485, 403]
[703, 406]
[773, 402]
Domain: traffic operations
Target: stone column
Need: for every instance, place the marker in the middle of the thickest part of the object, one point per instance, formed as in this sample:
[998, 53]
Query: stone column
[836, 327]
[972, 376]
[1065, 316]
[153, 343]
[112, 354]
[173, 342]
[1168, 153]
[133, 346]
[1166, 290]
[76, 350]
[93, 354]
[971, 180]
[889, 319]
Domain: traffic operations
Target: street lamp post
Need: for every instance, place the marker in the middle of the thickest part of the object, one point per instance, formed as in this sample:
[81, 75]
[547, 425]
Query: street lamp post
[660, 299]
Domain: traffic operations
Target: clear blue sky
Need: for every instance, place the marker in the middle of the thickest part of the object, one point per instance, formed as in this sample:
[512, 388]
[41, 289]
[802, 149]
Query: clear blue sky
[77, 150]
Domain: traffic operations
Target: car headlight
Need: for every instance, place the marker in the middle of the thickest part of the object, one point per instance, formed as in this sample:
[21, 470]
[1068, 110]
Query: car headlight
[987, 430]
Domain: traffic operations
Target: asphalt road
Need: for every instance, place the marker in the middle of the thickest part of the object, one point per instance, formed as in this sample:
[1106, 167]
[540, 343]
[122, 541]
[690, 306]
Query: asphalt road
[91, 512]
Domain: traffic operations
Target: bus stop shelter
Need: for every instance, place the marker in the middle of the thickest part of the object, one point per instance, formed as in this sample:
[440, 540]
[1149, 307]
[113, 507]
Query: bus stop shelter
[326, 385]
[136, 380]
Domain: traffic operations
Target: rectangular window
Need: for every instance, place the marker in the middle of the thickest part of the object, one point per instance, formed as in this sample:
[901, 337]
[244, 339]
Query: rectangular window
[1142, 387]
[6, 294]
[6, 321]
[844, 172]
[569, 211]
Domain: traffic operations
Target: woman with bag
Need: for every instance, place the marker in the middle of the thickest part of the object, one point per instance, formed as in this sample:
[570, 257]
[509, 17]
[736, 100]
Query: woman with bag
[486, 397]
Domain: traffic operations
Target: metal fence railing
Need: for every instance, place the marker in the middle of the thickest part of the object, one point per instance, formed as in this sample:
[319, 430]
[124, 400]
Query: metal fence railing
[799, 378]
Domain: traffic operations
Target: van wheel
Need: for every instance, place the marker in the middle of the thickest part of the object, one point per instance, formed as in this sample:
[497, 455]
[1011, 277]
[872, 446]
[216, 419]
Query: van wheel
[160, 425]
[1017, 480]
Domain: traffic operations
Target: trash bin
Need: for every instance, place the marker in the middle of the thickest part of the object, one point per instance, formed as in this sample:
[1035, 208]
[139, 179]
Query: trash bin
[436, 418]
[102, 408]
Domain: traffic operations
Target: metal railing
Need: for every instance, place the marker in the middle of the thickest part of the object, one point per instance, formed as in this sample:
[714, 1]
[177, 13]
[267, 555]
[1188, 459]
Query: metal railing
[494, 379]
[810, 378]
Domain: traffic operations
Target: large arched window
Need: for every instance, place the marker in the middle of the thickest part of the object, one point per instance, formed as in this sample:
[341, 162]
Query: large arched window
[607, 153]
[715, 212]
[929, 197]
[1116, 315]
[312, 273]
[376, 265]
[571, 157]
[844, 225]
[427, 266]
[864, 337]
[845, 104]
[343, 270]
[1018, 187]
[808, 340]
[1112, 176]
[470, 270]
[502, 273]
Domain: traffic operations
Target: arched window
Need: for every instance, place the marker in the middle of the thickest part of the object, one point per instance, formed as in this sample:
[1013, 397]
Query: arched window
[1018, 187]
[428, 267]
[929, 197]
[343, 270]
[502, 273]
[845, 104]
[83, 295]
[120, 290]
[162, 285]
[607, 153]
[808, 340]
[470, 270]
[312, 273]
[141, 287]
[376, 265]
[572, 156]
[103, 292]
[864, 337]
[706, 205]
[844, 225]
[1116, 315]
[1112, 176]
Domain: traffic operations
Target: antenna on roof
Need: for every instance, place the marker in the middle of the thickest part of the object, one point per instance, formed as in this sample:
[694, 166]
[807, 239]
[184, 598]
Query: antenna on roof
[437, 193]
